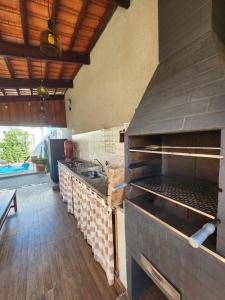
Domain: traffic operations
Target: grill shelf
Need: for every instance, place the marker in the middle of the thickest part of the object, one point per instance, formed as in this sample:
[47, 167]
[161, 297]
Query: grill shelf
[199, 196]
[179, 151]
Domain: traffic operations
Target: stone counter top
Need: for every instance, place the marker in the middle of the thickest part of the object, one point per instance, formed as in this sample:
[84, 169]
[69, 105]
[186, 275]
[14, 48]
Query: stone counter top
[99, 185]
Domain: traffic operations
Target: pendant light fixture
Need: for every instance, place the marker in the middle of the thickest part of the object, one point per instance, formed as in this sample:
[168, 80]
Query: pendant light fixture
[50, 44]
[42, 90]
[42, 110]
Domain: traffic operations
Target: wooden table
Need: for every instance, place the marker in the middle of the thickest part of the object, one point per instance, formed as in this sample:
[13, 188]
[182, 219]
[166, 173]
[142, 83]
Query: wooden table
[7, 201]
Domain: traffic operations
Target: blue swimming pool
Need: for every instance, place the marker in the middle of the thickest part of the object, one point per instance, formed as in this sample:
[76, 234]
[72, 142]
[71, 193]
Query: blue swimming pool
[13, 168]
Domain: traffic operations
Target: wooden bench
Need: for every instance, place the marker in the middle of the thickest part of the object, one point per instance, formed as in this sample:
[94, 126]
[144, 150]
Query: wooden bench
[7, 201]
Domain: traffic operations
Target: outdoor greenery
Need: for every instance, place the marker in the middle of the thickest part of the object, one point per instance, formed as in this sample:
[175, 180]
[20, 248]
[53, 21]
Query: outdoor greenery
[15, 146]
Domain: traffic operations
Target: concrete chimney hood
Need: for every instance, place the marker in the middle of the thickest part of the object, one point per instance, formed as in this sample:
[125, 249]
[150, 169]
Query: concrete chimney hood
[183, 108]
[187, 91]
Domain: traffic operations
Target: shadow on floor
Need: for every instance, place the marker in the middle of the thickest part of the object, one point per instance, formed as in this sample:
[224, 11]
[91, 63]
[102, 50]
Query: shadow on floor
[23, 180]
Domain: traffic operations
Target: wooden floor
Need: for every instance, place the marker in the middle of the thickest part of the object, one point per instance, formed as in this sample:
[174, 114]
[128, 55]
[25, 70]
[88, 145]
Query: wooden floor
[44, 256]
[153, 293]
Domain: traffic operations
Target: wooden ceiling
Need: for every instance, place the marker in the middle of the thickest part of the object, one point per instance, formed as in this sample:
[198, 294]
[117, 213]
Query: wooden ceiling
[22, 66]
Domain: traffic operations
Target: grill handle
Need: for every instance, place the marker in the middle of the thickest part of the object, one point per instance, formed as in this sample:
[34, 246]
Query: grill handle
[120, 186]
[199, 237]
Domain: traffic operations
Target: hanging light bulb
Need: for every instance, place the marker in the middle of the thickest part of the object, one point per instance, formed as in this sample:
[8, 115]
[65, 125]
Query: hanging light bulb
[42, 108]
[43, 91]
[50, 43]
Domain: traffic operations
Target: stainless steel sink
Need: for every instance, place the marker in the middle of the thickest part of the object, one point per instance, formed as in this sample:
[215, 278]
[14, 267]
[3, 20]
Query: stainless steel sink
[92, 174]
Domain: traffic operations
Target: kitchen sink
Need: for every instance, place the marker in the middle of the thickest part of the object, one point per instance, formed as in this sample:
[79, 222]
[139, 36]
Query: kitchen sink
[92, 174]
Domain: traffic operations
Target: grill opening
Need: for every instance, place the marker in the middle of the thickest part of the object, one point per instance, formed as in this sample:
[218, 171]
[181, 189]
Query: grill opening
[143, 286]
[175, 177]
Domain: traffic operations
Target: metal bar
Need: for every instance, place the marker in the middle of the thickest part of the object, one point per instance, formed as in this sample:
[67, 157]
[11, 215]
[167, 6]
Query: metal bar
[155, 147]
[179, 153]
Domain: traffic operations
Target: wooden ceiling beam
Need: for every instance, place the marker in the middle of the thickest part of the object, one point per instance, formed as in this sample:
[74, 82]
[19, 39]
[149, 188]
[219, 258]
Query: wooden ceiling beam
[55, 8]
[33, 52]
[24, 23]
[124, 3]
[76, 31]
[62, 71]
[102, 25]
[47, 66]
[7, 99]
[79, 23]
[29, 66]
[3, 92]
[10, 69]
[34, 83]
[9, 66]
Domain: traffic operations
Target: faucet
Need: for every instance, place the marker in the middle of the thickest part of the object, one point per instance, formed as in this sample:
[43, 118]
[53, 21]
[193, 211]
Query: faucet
[100, 164]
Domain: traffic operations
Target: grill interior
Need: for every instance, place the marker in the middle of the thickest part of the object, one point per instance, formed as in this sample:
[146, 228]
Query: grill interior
[198, 196]
[178, 174]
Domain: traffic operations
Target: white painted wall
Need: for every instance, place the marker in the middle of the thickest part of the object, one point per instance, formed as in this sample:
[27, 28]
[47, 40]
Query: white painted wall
[106, 93]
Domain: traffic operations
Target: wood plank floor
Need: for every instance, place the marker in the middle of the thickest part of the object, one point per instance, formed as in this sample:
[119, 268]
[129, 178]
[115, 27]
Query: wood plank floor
[44, 256]
[151, 293]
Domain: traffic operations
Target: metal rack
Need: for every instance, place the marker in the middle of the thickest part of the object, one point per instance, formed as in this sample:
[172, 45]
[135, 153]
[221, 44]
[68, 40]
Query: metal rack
[174, 150]
[198, 196]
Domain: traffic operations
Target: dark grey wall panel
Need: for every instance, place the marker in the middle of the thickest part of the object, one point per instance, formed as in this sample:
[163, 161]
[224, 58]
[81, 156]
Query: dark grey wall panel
[193, 272]
[192, 69]
[218, 18]
[200, 122]
[184, 92]
[181, 22]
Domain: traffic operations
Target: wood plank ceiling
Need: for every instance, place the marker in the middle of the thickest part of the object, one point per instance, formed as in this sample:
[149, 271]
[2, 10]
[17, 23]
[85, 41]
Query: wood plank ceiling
[79, 24]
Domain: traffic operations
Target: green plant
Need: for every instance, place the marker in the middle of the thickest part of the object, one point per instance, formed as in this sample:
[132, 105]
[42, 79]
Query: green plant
[44, 161]
[41, 160]
[45, 148]
[15, 145]
[47, 167]
[33, 159]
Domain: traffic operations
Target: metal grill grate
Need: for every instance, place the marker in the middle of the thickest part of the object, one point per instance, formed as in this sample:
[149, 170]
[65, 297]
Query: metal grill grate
[199, 196]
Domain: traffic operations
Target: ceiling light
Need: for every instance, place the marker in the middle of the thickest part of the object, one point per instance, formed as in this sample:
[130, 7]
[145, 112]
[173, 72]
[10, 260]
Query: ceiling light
[43, 91]
[50, 44]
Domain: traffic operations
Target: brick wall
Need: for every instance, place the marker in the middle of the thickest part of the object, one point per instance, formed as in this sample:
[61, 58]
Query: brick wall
[101, 144]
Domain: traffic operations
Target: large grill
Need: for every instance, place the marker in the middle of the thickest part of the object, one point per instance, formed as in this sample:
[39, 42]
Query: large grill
[175, 149]
[174, 188]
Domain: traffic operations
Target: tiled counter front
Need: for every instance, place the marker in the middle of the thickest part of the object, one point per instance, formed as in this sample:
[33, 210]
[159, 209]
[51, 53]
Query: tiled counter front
[65, 183]
[94, 217]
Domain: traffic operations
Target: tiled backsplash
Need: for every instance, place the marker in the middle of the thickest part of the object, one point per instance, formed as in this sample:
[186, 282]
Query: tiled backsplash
[101, 144]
